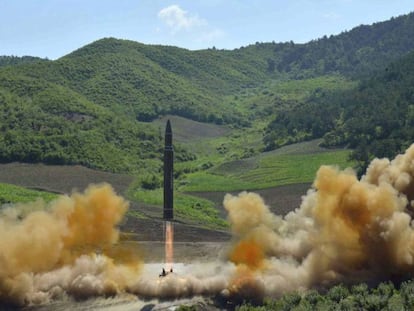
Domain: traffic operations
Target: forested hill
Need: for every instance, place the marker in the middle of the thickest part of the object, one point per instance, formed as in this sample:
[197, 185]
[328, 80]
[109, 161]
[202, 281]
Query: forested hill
[15, 60]
[88, 106]
[145, 81]
[354, 53]
[376, 118]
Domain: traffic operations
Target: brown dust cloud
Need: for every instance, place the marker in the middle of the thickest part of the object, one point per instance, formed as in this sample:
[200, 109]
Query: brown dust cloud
[345, 230]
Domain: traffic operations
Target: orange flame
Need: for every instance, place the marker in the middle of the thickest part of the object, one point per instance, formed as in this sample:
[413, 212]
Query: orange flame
[169, 245]
[249, 253]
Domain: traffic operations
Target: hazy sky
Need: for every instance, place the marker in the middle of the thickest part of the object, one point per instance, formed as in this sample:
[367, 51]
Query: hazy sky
[53, 28]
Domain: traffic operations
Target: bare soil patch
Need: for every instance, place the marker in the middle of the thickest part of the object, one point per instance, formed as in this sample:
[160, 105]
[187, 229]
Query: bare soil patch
[281, 200]
[184, 252]
[60, 178]
[153, 230]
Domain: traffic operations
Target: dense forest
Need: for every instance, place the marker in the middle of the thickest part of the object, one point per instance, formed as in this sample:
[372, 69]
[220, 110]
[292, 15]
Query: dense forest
[92, 106]
[375, 118]
[385, 296]
[15, 60]
[356, 53]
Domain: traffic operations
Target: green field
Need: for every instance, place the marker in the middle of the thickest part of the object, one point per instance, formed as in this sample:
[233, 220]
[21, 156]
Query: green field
[197, 210]
[264, 172]
[15, 194]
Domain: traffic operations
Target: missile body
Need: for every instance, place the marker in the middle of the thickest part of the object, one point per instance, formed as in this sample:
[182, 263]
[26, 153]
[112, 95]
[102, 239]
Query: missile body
[168, 173]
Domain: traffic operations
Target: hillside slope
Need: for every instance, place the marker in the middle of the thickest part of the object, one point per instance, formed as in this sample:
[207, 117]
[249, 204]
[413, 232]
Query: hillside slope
[354, 53]
[16, 60]
[375, 118]
[45, 122]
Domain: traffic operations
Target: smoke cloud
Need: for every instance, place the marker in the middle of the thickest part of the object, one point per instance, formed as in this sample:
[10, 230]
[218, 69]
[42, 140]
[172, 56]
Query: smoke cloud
[345, 230]
[62, 238]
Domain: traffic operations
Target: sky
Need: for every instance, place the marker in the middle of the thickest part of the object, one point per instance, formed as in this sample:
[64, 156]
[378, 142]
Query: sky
[54, 28]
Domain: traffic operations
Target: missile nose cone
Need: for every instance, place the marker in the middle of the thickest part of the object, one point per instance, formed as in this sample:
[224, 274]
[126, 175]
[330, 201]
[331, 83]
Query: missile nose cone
[168, 127]
[168, 135]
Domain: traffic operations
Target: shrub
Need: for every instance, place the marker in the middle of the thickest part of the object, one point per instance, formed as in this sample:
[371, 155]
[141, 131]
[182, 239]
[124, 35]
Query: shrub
[150, 182]
[337, 293]
[407, 293]
[313, 297]
[396, 303]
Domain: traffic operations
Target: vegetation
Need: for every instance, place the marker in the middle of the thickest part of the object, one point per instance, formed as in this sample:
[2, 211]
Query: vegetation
[357, 297]
[16, 194]
[15, 60]
[356, 53]
[388, 131]
[57, 126]
[196, 210]
[347, 118]
[263, 172]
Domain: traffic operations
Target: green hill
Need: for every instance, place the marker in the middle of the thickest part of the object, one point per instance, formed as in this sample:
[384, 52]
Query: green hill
[146, 81]
[92, 106]
[355, 53]
[375, 118]
[15, 60]
[46, 122]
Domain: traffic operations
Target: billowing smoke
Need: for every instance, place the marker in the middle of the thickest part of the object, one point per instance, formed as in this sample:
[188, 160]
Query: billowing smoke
[52, 250]
[346, 230]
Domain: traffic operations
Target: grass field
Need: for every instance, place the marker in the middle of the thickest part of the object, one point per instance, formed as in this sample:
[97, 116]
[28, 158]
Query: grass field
[264, 172]
[186, 207]
[15, 194]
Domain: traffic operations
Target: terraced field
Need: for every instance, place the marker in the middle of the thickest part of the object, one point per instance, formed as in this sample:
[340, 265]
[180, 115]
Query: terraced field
[289, 165]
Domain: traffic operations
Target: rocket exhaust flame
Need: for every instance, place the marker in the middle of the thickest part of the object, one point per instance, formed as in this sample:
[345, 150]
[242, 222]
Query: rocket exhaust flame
[169, 246]
[346, 230]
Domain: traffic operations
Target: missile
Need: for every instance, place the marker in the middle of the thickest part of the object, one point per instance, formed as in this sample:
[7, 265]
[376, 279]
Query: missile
[168, 173]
